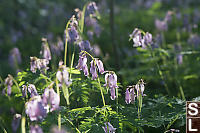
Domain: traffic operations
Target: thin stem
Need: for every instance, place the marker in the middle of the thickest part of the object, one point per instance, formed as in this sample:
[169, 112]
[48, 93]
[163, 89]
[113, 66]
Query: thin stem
[59, 115]
[82, 18]
[117, 98]
[72, 61]
[104, 104]
[73, 126]
[66, 36]
[23, 123]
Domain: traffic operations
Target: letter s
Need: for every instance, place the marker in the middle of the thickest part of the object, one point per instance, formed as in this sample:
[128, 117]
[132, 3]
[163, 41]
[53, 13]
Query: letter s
[193, 108]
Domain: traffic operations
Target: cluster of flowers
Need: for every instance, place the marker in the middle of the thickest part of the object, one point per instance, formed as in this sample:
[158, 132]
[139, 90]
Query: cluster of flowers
[73, 29]
[96, 64]
[74, 37]
[91, 20]
[40, 64]
[130, 94]
[38, 107]
[140, 39]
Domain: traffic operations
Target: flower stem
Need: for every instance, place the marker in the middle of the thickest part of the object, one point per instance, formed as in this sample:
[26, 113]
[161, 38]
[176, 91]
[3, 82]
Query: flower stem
[59, 115]
[82, 19]
[72, 61]
[66, 36]
[73, 125]
[117, 98]
[23, 123]
[104, 104]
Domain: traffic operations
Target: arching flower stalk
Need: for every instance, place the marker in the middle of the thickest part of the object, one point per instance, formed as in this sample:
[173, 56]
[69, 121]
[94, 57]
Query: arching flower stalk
[95, 63]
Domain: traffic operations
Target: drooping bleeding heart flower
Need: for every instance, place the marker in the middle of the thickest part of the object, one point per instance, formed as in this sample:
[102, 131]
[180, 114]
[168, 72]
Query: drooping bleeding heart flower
[9, 83]
[140, 88]
[112, 93]
[82, 64]
[100, 66]
[84, 45]
[33, 64]
[108, 128]
[133, 96]
[93, 70]
[14, 57]
[161, 25]
[92, 8]
[63, 75]
[16, 122]
[32, 90]
[40, 64]
[135, 33]
[111, 82]
[24, 90]
[93, 23]
[179, 58]
[140, 39]
[46, 54]
[35, 129]
[73, 35]
[35, 109]
[127, 96]
[147, 38]
[130, 95]
[168, 17]
[51, 99]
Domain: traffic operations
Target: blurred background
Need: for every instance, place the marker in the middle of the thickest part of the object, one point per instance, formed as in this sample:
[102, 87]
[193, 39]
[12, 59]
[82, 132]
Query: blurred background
[173, 24]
